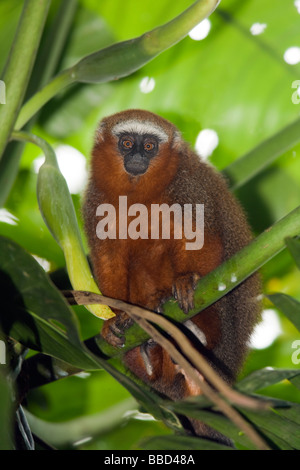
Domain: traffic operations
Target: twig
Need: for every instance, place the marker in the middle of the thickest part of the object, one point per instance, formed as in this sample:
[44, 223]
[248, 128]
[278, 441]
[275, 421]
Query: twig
[83, 297]
[206, 389]
[142, 317]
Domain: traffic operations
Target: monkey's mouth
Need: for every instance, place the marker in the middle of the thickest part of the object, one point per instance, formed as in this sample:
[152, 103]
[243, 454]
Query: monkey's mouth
[136, 168]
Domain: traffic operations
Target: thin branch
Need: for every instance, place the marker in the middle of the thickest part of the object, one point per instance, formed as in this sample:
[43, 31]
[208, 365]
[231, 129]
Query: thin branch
[84, 298]
[142, 317]
[206, 389]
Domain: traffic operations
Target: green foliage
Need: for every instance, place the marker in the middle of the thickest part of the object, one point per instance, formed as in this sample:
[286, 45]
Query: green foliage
[233, 82]
[6, 414]
[52, 330]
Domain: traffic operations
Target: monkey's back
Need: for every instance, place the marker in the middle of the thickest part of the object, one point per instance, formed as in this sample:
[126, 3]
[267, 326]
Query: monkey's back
[239, 310]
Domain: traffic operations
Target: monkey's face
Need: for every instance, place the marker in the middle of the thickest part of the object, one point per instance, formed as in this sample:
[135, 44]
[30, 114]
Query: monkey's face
[137, 151]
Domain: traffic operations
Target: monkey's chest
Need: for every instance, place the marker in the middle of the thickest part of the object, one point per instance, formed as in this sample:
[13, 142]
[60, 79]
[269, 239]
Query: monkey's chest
[150, 273]
[139, 271]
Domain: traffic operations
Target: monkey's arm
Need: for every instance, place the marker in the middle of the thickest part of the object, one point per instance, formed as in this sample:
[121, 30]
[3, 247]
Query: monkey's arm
[191, 265]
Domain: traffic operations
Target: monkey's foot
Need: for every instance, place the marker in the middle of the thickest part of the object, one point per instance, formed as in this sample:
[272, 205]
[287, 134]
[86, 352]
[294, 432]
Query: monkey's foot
[183, 291]
[113, 329]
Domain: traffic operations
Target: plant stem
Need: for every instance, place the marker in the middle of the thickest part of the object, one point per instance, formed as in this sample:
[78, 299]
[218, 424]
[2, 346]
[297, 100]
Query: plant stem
[57, 209]
[239, 267]
[253, 162]
[52, 47]
[38, 100]
[36, 140]
[175, 30]
[45, 66]
[247, 261]
[20, 62]
[121, 59]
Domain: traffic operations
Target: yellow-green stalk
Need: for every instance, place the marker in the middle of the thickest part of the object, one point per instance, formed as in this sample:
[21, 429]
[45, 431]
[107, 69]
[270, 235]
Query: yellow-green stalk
[59, 214]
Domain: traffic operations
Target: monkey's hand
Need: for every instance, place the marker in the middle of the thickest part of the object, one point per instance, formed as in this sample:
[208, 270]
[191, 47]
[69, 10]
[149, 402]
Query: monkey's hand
[183, 291]
[113, 329]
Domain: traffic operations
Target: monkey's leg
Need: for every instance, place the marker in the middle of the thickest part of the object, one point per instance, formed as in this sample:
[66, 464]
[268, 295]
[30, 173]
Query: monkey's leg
[152, 364]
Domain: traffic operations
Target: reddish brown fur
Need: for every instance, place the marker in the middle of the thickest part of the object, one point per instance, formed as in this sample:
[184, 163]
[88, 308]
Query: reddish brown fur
[143, 272]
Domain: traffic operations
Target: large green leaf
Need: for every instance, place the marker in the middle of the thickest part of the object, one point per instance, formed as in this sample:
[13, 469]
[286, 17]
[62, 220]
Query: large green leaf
[289, 306]
[293, 245]
[181, 443]
[33, 311]
[284, 432]
[66, 433]
[220, 423]
[36, 315]
[296, 381]
[291, 412]
[275, 425]
[264, 378]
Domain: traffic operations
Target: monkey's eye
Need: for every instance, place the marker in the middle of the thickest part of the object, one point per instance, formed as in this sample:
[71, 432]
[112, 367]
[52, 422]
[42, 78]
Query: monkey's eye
[127, 144]
[148, 146]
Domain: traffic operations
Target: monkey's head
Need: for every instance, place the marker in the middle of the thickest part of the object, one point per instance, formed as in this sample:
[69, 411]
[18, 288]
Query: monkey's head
[135, 150]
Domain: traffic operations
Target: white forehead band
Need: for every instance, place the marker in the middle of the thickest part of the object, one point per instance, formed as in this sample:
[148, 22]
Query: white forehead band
[140, 127]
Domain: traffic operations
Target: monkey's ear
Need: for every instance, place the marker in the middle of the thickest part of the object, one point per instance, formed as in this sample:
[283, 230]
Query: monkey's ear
[99, 137]
[177, 140]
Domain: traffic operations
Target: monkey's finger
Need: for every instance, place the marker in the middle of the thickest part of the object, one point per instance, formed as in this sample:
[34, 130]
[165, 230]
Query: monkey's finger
[184, 304]
[196, 278]
[114, 337]
[122, 322]
[183, 291]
